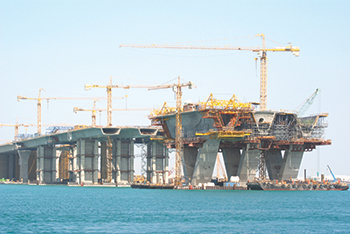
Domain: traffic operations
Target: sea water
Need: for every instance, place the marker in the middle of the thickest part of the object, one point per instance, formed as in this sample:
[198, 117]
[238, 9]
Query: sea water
[62, 209]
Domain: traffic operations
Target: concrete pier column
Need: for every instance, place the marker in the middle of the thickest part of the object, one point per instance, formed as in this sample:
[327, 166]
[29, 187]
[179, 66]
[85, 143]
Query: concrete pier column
[149, 162]
[189, 162]
[166, 166]
[273, 160]
[131, 164]
[291, 163]
[74, 174]
[231, 158]
[103, 160]
[23, 162]
[87, 152]
[95, 163]
[248, 164]
[46, 164]
[118, 161]
[40, 164]
[154, 153]
[205, 162]
[11, 166]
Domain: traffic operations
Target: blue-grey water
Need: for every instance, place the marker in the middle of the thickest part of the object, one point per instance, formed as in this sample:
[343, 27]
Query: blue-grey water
[62, 209]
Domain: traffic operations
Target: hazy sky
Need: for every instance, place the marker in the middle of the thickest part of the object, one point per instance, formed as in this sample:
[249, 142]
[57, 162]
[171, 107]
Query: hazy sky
[61, 45]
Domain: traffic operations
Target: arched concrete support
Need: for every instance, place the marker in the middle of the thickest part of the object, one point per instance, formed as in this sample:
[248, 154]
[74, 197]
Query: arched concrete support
[273, 160]
[248, 164]
[290, 164]
[205, 162]
[231, 158]
[46, 164]
[87, 159]
[23, 162]
[189, 162]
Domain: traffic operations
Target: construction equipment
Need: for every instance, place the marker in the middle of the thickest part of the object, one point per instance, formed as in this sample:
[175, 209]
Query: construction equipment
[109, 95]
[39, 99]
[334, 179]
[17, 125]
[306, 105]
[94, 110]
[178, 126]
[262, 53]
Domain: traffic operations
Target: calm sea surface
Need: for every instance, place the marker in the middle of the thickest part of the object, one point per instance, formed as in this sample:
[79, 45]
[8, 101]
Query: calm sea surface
[62, 209]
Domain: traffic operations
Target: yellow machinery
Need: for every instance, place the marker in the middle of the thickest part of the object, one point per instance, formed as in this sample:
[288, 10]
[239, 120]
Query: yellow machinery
[178, 126]
[39, 100]
[262, 53]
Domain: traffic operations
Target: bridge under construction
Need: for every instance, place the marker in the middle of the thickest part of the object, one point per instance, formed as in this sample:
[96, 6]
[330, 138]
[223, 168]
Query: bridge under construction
[270, 144]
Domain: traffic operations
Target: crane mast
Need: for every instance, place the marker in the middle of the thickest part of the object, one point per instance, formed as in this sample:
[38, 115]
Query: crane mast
[178, 124]
[262, 53]
[109, 88]
[39, 104]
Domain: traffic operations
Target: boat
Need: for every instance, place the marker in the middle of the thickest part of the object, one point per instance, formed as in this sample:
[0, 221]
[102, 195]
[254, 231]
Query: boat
[296, 186]
[151, 186]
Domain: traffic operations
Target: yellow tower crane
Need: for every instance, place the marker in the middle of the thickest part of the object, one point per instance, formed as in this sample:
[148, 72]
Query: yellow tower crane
[262, 53]
[178, 125]
[39, 100]
[17, 125]
[94, 110]
[109, 88]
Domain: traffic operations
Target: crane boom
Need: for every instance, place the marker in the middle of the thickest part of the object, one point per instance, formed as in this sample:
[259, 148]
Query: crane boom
[308, 103]
[334, 179]
[109, 88]
[262, 51]
[39, 102]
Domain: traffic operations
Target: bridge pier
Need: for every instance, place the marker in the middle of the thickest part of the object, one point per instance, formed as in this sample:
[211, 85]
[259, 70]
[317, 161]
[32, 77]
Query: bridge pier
[205, 162]
[8, 166]
[157, 163]
[23, 162]
[46, 164]
[291, 163]
[188, 162]
[248, 164]
[273, 160]
[87, 160]
[123, 161]
[232, 158]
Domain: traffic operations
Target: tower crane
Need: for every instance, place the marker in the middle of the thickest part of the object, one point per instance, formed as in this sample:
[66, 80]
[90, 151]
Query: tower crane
[94, 111]
[306, 105]
[109, 88]
[39, 101]
[17, 125]
[262, 53]
[178, 125]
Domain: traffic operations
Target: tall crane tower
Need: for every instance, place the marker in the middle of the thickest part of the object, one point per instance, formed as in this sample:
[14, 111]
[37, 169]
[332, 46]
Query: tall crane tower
[109, 88]
[262, 53]
[178, 124]
[39, 102]
[17, 125]
[94, 110]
